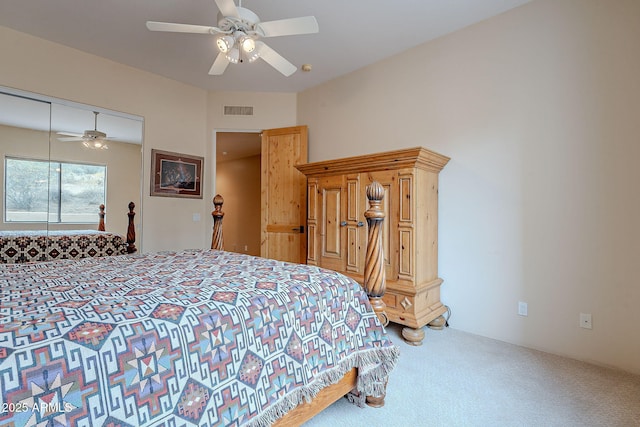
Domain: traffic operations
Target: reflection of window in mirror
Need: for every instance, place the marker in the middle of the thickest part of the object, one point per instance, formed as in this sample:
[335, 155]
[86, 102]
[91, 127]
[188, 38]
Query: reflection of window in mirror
[69, 192]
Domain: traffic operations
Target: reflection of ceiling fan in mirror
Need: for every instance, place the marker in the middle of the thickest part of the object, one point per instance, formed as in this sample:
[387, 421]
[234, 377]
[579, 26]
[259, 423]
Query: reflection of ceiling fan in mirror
[93, 139]
[238, 36]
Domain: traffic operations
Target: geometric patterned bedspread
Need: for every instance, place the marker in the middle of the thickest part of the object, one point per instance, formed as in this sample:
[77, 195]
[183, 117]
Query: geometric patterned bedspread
[189, 338]
[43, 245]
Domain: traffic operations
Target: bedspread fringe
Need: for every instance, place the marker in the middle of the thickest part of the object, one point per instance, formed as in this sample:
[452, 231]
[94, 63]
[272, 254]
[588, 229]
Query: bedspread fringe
[374, 366]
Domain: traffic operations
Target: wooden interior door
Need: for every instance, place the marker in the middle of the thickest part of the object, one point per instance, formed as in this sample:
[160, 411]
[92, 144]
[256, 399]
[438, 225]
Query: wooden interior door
[284, 194]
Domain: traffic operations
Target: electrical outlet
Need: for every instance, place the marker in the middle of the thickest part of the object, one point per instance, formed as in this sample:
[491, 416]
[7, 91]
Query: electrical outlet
[585, 320]
[523, 309]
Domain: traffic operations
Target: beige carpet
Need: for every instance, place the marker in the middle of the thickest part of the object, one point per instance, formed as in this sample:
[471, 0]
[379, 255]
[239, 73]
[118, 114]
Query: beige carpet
[459, 379]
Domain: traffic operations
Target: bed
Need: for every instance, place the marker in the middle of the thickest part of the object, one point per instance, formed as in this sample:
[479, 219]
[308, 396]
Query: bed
[42, 245]
[189, 338]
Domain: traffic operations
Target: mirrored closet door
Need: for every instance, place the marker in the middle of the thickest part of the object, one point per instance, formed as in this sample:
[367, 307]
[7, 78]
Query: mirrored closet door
[60, 162]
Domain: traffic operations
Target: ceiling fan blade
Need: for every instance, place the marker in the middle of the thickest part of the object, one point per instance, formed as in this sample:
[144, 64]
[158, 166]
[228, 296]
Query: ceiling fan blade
[290, 27]
[180, 28]
[73, 138]
[77, 135]
[227, 8]
[219, 65]
[274, 59]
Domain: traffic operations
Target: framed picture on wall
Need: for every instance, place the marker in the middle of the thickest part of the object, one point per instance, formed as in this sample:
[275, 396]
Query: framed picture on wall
[176, 175]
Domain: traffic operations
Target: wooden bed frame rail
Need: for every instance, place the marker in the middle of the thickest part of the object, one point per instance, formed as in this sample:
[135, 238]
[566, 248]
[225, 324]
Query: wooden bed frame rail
[374, 285]
[131, 228]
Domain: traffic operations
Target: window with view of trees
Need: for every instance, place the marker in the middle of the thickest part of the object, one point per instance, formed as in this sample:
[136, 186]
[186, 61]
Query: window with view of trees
[59, 192]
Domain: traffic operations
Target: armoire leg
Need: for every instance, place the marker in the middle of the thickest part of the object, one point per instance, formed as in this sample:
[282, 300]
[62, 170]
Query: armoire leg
[413, 336]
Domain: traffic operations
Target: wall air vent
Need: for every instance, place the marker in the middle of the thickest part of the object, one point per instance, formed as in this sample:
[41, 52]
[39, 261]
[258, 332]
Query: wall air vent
[237, 110]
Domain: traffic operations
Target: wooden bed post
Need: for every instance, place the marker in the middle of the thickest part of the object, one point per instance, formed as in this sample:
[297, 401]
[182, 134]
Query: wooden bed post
[101, 223]
[374, 275]
[216, 239]
[131, 230]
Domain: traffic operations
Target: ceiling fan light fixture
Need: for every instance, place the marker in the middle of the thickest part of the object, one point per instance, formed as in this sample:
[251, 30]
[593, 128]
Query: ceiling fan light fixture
[253, 55]
[248, 44]
[96, 144]
[225, 43]
[233, 55]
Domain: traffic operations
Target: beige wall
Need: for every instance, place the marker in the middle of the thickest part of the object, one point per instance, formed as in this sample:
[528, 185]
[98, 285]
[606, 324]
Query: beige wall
[270, 110]
[538, 109]
[239, 183]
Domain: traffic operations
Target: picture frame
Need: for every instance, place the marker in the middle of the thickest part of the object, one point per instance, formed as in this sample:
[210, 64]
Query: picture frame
[176, 174]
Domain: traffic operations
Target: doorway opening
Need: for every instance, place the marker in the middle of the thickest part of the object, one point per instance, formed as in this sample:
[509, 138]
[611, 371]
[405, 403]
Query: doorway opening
[237, 177]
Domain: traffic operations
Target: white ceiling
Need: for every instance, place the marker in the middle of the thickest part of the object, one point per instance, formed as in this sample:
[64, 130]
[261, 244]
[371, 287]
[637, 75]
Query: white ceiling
[353, 34]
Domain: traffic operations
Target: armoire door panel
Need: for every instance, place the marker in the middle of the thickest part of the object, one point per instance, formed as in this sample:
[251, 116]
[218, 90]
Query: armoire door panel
[312, 221]
[312, 196]
[332, 241]
[386, 228]
[405, 266]
[330, 208]
[353, 249]
[311, 245]
[353, 197]
[354, 224]
[406, 206]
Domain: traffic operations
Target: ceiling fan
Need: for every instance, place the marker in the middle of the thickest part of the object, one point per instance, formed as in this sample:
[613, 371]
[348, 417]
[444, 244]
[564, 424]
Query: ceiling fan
[239, 33]
[90, 138]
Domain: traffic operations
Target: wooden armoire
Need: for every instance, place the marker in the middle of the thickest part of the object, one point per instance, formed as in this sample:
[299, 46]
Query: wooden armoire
[337, 232]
